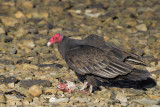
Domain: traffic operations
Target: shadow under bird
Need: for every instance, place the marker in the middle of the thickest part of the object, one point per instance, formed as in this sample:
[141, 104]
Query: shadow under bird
[94, 60]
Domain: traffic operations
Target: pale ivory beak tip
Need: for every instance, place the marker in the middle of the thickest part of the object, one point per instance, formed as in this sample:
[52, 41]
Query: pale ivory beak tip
[49, 43]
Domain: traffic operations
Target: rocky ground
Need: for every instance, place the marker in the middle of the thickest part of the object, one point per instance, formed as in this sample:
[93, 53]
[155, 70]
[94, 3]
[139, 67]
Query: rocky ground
[30, 71]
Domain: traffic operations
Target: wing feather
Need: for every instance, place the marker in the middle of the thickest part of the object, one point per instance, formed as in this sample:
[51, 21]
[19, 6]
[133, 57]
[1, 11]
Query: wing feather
[91, 60]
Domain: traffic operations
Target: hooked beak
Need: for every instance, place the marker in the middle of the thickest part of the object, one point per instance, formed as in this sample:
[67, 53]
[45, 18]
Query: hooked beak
[49, 43]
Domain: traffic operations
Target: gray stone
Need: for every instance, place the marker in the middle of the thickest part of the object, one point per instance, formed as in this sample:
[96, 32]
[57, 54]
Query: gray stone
[29, 83]
[5, 39]
[146, 101]
[6, 80]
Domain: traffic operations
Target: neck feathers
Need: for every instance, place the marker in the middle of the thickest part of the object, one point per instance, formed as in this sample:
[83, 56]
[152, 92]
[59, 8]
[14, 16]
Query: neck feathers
[66, 45]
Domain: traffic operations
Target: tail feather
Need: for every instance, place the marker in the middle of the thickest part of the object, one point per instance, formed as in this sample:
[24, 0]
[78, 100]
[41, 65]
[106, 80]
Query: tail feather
[137, 75]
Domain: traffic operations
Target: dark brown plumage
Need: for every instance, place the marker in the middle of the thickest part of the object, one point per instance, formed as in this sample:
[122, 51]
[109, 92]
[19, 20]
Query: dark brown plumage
[94, 60]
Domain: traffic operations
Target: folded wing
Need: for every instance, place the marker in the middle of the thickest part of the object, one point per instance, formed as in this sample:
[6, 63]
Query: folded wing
[85, 59]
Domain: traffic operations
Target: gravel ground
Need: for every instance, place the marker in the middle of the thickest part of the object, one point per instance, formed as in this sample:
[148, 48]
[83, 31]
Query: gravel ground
[30, 71]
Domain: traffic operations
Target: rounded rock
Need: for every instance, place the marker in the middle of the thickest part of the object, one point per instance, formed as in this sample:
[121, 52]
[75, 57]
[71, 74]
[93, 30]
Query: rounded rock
[35, 90]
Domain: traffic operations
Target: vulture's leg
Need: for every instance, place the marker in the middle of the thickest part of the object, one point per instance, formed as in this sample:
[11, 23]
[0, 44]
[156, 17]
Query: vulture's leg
[91, 80]
[90, 88]
[84, 85]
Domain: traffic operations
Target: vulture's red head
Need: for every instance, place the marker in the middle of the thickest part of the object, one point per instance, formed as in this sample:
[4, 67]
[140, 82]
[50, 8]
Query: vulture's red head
[56, 38]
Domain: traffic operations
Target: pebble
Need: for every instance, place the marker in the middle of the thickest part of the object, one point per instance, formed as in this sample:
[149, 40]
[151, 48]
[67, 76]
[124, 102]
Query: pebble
[56, 9]
[145, 101]
[153, 106]
[141, 27]
[121, 97]
[9, 3]
[20, 32]
[11, 85]
[151, 40]
[19, 14]
[13, 51]
[81, 100]
[44, 14]
[43, 31]
[13, 100]
[35, 90]
[59, 100]
[30, 44]
[2, 31]
[29, 66]
[2, 98]
[89, 13]
[25, 102]
[8, 39]
[50, 91]
[28, 4]
[36, 15]
[9, 21]
[29, 83]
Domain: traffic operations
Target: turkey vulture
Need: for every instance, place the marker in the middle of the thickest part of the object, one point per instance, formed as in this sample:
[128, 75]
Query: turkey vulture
[94, 60]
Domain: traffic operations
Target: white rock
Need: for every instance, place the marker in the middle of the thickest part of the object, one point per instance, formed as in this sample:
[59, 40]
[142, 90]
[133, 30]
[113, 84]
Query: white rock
[55, 100]
[78, 11]
[52, 100]
[89, 13]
